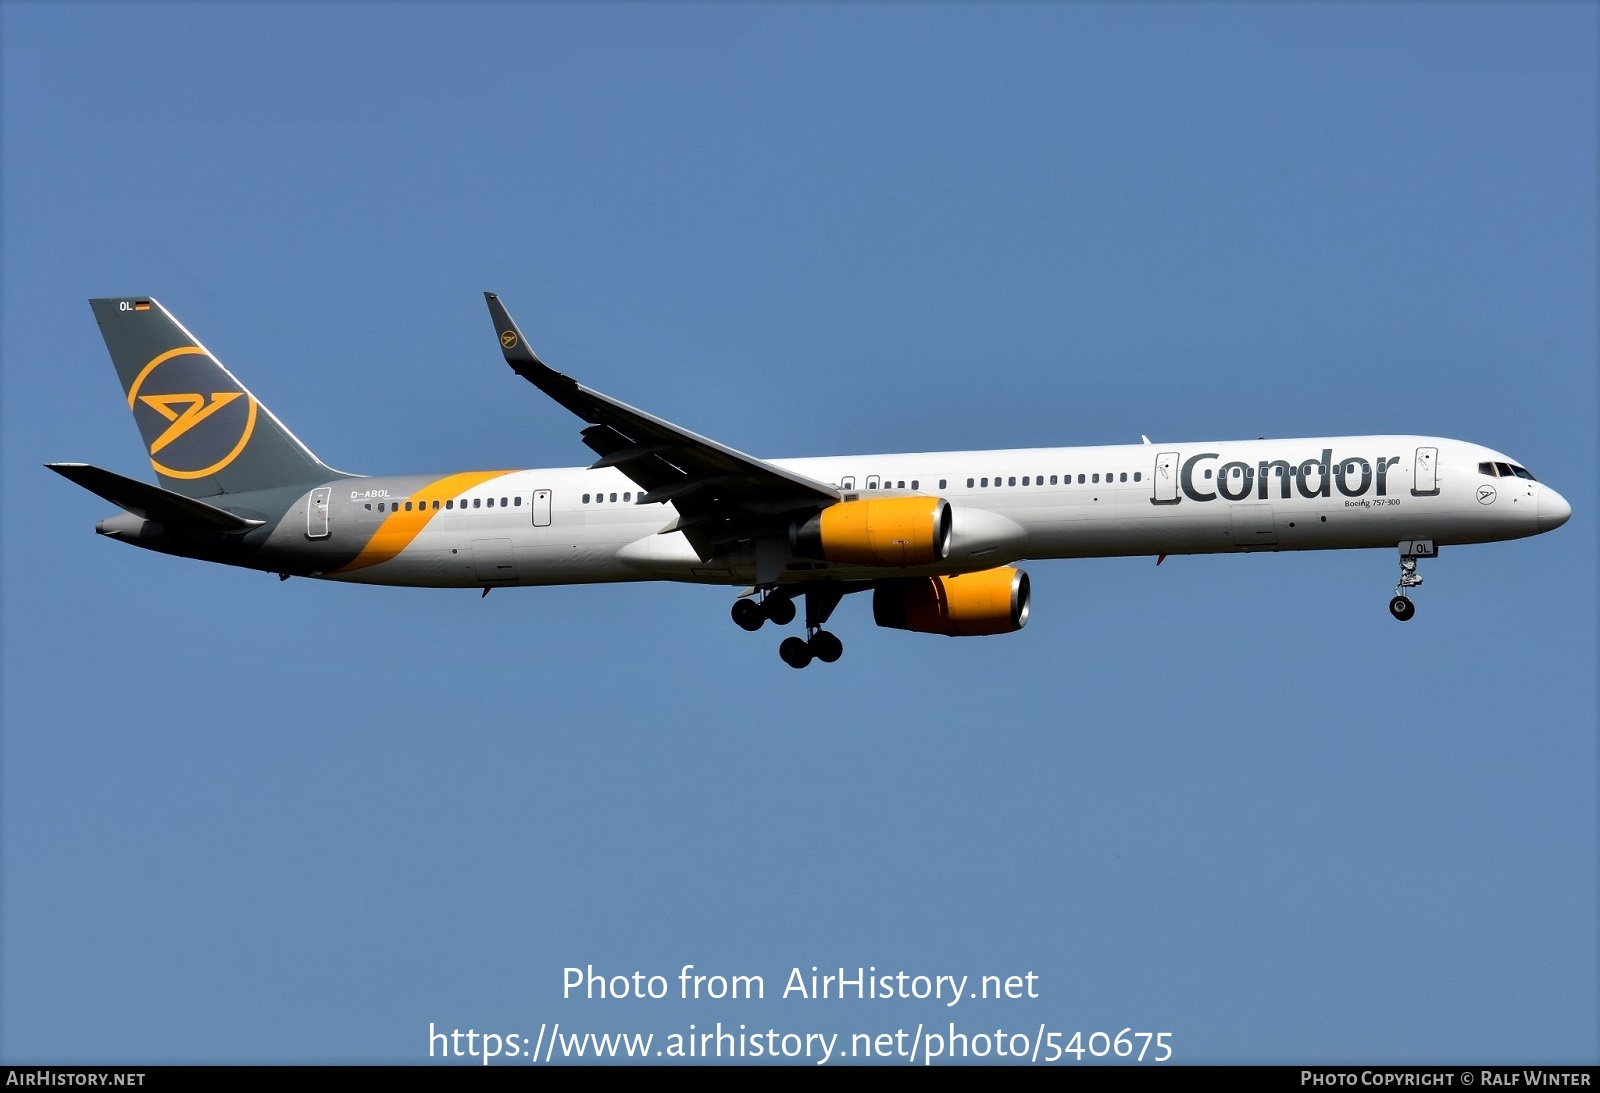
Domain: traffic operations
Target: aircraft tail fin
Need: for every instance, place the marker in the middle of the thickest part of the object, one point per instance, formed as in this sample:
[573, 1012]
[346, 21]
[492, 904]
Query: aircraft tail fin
[171, 510]
[205, 433]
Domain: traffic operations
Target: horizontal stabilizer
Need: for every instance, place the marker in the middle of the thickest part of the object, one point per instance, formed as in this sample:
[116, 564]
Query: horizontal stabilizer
[170, 510]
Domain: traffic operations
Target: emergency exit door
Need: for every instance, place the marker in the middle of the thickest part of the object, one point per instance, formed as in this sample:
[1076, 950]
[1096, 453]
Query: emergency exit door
[317, 513]
[1425, 481]
[1164, 482]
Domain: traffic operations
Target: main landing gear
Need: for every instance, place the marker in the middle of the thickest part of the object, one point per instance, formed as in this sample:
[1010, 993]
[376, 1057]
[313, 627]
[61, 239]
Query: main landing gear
[778, 607]
[821, 645]
[1401, 606]
[752, 614]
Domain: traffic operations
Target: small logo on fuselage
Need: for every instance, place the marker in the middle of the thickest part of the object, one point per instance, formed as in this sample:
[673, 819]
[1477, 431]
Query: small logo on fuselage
[1486, 495]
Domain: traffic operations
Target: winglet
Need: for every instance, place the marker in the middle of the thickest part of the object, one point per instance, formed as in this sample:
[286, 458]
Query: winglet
[518, 353]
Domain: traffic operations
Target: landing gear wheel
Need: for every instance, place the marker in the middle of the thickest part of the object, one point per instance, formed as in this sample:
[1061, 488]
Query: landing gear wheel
[1402, 608]
[780, 609]
[795, 652]
[748, 614]
[826, 647]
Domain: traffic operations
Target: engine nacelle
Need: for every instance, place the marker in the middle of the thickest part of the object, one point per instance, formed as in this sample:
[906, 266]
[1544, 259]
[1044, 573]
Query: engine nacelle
[888, 531]
[994, 601]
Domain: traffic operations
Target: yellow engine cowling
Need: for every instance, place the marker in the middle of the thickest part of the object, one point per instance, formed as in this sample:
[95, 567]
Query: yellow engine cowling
[887, 531]
[992, 602]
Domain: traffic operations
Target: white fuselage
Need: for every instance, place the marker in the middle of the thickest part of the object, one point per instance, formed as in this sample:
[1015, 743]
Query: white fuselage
[574, 525]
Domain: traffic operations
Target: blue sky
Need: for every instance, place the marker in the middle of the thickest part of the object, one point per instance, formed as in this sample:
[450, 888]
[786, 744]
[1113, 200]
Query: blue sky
[1229, 799]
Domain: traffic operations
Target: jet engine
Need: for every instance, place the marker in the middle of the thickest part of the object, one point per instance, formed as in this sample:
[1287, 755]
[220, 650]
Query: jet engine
[887, 531]
[994, 601]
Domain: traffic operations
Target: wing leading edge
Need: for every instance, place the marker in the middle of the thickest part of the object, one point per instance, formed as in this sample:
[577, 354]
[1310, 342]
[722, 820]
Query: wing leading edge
[721, 495]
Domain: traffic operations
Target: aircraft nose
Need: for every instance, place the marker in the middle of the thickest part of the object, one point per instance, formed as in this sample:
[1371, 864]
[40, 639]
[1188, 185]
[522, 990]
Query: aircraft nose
[1553, 509]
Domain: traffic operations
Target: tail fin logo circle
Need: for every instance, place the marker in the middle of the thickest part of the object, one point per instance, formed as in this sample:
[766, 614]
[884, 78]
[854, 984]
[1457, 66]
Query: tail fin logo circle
[196, 429]
[508, 339]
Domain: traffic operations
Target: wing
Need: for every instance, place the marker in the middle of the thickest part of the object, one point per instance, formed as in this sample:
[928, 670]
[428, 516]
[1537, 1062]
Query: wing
[722, 495]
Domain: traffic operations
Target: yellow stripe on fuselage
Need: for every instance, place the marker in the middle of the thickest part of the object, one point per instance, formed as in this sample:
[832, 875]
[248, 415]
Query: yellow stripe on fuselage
[399, 529]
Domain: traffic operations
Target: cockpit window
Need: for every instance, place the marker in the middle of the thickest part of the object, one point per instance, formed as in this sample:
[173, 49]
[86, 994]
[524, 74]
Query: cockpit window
[1505, 470]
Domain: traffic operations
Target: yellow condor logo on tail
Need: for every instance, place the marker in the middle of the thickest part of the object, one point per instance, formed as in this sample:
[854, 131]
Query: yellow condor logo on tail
[187, 409]
[193, 414]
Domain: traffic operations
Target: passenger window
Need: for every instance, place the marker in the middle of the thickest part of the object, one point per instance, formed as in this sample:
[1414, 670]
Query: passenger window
[450, 504]
[1136, 475]
[969, 483]
[984, 482]
[1208, 472]
[1012, 481]
[1081, 479]
[915, 486]
[1097, 477]
[613, 497]
[1123, 477]
[477, 502]
[628, 496]
[585, 499]
[517, 501]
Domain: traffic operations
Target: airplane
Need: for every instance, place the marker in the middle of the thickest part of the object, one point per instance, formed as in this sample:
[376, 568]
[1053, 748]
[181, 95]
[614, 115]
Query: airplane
[934, 536]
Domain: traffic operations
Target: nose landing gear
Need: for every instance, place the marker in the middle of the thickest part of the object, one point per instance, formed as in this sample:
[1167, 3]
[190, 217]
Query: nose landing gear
[1401, 606]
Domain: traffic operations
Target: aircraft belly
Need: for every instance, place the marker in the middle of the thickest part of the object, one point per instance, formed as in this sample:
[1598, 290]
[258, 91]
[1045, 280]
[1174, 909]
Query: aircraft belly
[416, 567]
